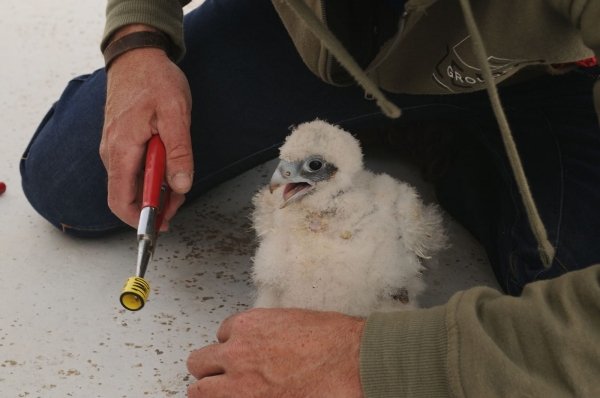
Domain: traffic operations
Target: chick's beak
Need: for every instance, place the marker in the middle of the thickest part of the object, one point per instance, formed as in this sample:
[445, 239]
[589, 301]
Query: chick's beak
[277, 180]
[288, 174]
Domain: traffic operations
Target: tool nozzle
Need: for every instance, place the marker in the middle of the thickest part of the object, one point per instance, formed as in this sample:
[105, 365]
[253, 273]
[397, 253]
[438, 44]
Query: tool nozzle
[146, 239]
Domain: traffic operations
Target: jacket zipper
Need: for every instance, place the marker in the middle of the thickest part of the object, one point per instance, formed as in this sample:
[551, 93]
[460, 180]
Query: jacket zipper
[378, 59]
[383, 55]
[329, 56]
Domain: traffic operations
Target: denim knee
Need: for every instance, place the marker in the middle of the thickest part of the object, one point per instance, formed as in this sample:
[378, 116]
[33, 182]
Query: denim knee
[62, 174]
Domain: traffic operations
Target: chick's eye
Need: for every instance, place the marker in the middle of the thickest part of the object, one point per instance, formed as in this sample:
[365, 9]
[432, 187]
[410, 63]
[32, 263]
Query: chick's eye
[315, 165]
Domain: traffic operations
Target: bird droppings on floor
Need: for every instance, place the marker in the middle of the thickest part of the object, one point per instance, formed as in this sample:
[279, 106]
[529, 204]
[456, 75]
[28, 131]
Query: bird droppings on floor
[63, 332]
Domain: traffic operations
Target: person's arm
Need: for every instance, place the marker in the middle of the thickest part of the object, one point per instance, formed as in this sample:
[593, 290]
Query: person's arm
[146, 94]
[545, 343]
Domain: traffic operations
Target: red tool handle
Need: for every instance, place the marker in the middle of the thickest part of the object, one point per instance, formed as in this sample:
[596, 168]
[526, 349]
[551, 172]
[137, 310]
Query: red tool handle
[161, 215]
[154, 174]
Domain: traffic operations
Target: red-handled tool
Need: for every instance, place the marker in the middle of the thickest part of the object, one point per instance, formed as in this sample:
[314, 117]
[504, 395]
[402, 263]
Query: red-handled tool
[155, 200]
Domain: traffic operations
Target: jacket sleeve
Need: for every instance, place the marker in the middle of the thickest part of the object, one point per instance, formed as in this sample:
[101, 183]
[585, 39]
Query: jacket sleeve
[545, 343]
[164, 15]
[585, 16]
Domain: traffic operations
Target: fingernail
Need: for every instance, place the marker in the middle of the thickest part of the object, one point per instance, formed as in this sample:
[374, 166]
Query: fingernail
[164, 226]
[182, 180]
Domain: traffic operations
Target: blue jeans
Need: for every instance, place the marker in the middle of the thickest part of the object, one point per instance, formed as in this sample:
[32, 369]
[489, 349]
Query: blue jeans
[249, 85]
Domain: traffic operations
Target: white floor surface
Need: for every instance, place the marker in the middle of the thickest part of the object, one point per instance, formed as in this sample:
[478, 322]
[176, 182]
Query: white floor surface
[63, 332]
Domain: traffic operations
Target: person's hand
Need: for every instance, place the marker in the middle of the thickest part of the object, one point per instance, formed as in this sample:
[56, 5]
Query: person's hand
[146, 94]
[276, 353]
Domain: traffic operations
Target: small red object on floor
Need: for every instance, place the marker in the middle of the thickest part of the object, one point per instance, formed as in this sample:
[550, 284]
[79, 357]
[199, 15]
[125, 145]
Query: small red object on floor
[2, 188]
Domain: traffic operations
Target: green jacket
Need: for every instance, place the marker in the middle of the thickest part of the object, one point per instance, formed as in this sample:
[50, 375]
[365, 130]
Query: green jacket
[431, 53]
[545, 343]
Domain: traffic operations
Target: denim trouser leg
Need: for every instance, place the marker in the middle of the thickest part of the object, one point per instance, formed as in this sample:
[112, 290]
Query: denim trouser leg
[62, 173]
[557, 135]
[249, 85]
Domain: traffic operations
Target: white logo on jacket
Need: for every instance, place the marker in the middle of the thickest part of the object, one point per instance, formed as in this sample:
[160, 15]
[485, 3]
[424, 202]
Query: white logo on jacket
[454, 74]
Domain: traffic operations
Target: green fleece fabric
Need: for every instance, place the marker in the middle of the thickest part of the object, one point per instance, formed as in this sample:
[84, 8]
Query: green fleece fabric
[164, 15]
[404, 354]
[413, 76]
[545, 343]
[434, 53]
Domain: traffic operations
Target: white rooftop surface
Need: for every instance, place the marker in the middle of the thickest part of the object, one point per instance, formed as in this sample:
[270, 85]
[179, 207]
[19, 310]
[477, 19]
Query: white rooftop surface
[63, 332]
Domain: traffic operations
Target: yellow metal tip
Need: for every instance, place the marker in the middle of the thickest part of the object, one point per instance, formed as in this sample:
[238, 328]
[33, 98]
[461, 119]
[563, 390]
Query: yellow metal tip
[135, 293]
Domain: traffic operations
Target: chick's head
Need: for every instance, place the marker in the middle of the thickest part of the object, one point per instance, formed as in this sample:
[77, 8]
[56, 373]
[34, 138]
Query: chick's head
[316, 158]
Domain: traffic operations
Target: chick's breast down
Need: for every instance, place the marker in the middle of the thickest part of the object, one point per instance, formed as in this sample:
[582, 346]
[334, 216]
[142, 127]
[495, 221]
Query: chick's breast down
[352, 252]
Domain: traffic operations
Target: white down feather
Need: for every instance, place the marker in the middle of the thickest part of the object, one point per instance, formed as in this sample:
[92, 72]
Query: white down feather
[352, 244]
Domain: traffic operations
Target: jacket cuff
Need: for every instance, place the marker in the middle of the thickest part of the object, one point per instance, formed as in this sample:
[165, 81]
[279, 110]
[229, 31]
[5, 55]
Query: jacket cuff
[164, 15]
[405, 354]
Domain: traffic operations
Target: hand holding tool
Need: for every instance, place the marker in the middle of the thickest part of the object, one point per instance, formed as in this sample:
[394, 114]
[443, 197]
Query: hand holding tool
[155, 201]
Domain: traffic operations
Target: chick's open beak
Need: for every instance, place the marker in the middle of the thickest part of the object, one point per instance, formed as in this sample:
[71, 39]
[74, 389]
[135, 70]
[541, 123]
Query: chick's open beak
[277, 180]
[288, 175]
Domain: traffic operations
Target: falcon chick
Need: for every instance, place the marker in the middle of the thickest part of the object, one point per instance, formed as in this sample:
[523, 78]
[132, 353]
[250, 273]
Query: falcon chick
[336, 237]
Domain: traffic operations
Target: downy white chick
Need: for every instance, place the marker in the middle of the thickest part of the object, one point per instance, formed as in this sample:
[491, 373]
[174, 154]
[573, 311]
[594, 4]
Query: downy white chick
[336, 237]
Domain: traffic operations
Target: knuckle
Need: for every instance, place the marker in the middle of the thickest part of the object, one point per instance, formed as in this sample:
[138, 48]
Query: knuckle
[109, 131]
[177, 105]
[108, 146]
[112, 204]
[109, 126]
[232, 351]
[239, 322]
[180, 154]
[112, 148]
[103, 155]
[115, 175]
[242, 322]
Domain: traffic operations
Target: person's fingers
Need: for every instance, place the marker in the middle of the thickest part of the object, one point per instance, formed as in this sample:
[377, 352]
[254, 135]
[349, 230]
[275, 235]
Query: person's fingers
[224, 332]
[173, 125]
[140, 187]
[210, 387]
[175, 201]
[146, 94]
[122, 193]
[206, 361]
[124, 167]
[164, 226]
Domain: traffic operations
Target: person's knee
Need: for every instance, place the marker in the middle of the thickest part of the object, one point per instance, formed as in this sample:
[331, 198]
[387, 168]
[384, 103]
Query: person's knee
[74, 203]
[62, 174]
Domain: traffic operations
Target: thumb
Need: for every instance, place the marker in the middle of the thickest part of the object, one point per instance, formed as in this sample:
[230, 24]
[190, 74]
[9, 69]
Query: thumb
[180, 161]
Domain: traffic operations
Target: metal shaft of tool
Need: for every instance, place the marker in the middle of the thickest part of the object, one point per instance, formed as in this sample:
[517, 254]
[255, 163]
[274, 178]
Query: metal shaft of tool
[146, 239]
